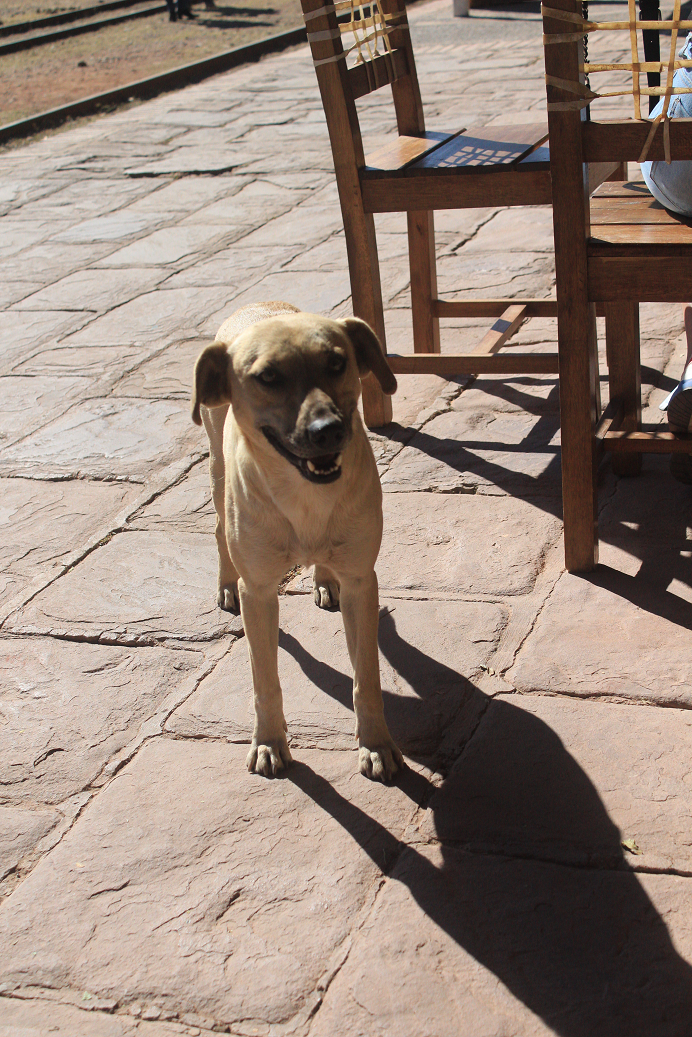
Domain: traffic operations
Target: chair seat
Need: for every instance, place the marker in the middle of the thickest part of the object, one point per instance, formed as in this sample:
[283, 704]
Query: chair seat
[474, 150]
[627, 214]
[637, 249]
[478, 167]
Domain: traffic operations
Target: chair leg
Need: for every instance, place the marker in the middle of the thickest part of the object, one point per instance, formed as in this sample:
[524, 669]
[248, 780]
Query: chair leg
[421, 252]
[579, 407]
[366, 296]
[624, 375]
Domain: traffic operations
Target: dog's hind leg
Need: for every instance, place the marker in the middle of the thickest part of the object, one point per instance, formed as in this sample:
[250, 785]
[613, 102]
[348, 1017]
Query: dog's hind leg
[379, 757]
[269, 752]
[325, 588]
[227, 587]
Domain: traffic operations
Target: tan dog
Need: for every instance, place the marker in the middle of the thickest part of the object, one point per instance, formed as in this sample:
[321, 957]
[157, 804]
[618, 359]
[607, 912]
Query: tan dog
[294, 481]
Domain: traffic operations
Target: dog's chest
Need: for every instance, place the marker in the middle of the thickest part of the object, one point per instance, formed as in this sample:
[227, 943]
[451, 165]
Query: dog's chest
[312, 528]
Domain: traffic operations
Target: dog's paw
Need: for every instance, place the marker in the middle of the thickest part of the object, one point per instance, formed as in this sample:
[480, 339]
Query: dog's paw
[382, 762]
[227, 598]
[269, 757]
[325, 589]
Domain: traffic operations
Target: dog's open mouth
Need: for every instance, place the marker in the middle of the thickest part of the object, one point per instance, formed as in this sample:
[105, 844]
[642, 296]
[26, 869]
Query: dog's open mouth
[322, 469]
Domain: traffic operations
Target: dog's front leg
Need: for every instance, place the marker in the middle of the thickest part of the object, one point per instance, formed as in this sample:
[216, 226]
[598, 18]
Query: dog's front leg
[227, 587]
[259, 606]
[379, 757]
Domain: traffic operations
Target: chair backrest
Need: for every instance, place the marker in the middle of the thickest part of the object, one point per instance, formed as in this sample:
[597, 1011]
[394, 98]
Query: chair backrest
[570, 82]
[358, 48]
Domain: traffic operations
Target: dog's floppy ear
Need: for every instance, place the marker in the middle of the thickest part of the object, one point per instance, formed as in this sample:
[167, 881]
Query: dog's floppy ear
[369, 352]
[212, 379]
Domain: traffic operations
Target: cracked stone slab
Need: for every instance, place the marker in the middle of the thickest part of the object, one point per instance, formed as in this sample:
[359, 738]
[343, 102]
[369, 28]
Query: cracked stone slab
[463, 544]
[165, 246]
[95, 290]
[415, 395]
[106, 438]
[256, 203]
[570, 781]
[54, 263]
[461, 224]
[495, 274]
[166, 376]
[17, 192]
[194, 160]
[153, 318]
[27, 403]
[185, 506]
[660, 320]
[234, 266]
[20, 832]
[69, 707]
[43, 522]
[103, 365]
[76, 201]
[14, 291]
[307, 225]
[312, 292]
[485, 443]
[23, 332]
[140, 587]
[610, 634]
[18, 235]
[37, 1017]
[633, 517]
[644, 545]
[111, 227]
[516, 948]
[182, 195]
[171, 900]
[429, 653]
[515, 230]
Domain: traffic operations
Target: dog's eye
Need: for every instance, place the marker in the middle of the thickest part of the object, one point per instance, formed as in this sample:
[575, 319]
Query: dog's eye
[268, 377]
[337, 363]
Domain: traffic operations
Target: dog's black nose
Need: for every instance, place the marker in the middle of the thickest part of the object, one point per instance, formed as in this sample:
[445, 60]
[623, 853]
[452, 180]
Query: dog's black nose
[327, 433]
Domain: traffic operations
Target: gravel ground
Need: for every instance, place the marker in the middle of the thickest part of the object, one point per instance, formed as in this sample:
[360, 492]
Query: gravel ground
[35, 80]
[26, 10]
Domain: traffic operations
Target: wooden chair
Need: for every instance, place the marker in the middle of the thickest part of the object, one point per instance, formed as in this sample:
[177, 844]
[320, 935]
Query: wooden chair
[416, 173]
[615, 250]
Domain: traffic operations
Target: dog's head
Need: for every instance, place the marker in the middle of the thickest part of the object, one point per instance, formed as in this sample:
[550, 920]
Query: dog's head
[295, 380]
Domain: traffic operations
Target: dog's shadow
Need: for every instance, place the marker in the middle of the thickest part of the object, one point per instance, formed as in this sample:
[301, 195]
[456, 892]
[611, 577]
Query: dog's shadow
[415, 721]
[521, 866]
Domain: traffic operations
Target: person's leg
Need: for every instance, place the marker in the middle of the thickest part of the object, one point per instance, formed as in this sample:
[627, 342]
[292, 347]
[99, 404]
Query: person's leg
[680, 401]
[688, 332]
[679, 407]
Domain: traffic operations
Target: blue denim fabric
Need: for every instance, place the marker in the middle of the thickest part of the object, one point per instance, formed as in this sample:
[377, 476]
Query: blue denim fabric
[671, 185]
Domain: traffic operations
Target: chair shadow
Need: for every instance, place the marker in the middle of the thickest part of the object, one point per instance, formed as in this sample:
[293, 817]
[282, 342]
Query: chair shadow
[661, 562]
[634, 526]
[523, 869]
[648, 589]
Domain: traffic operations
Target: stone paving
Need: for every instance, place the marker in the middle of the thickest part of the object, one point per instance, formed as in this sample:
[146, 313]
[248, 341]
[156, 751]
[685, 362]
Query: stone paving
[530, 873]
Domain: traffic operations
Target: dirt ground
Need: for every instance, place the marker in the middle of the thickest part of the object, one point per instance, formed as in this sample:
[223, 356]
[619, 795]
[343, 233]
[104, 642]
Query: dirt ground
[26, 10]
[45, 77]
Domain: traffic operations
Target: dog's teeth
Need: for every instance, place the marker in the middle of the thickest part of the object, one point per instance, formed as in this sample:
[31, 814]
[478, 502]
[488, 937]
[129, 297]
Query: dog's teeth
[337, 462]
[311, 466]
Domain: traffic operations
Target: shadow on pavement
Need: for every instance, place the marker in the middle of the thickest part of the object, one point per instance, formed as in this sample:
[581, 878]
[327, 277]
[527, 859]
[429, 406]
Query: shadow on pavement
[630, 526]
[528, 876]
